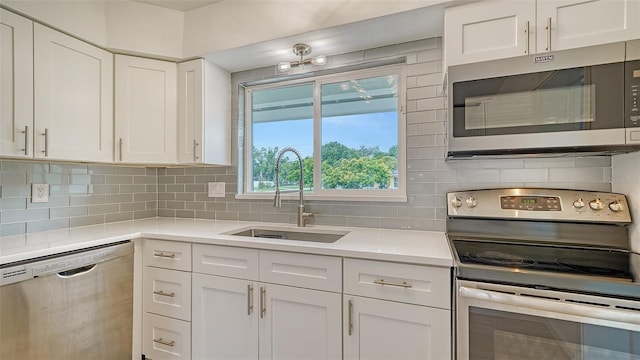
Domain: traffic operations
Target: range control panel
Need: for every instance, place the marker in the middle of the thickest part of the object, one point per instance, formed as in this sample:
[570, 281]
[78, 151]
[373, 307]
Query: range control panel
[540, 204]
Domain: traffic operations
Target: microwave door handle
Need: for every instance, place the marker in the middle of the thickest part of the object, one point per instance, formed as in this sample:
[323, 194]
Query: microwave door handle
[558, 307]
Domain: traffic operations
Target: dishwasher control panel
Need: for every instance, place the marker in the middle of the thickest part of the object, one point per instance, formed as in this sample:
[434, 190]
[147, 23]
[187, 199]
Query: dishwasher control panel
[55, 265]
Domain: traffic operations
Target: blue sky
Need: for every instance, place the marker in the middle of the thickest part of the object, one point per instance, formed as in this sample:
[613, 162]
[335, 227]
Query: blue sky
[353, 131]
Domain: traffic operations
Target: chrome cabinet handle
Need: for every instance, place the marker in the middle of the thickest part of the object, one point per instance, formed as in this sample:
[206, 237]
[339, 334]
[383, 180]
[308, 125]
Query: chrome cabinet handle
[163, 255]
[195, 146]
[120, 148]
[548, 28]
[162, 293]
[526, 34]
[350, 325]
[164, 342]
[46, 142]
[26, 140]
[249, 299]
[263, 305]
[403, 284]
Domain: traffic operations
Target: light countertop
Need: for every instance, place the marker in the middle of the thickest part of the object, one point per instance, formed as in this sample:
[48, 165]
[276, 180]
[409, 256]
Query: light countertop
[420, 247]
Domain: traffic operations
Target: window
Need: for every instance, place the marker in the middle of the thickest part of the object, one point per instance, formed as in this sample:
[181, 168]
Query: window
[348, 129]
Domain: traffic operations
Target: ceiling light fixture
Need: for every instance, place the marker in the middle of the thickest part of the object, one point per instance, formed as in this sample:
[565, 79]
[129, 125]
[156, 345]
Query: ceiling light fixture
[301, 50]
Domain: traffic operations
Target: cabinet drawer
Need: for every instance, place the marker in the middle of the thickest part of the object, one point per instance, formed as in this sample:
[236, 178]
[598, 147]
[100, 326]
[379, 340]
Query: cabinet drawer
[165, 338]
[226, 261]
[414, 284]
[302, 270]
[167, 292]
[168, 254]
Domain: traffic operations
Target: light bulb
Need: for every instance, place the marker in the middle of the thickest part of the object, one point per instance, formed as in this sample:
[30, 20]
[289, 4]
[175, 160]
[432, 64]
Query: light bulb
[319, 60]
[284, 66]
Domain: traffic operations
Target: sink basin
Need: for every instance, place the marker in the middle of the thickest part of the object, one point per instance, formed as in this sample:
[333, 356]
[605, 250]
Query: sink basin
[323, 236]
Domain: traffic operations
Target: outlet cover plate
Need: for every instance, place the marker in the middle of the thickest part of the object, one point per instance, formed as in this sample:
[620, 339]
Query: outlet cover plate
[39, 193]
[216, 189]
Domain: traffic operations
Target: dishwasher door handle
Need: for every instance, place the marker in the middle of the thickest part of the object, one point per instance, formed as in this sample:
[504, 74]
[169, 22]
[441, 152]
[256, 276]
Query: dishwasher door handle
[76, 272]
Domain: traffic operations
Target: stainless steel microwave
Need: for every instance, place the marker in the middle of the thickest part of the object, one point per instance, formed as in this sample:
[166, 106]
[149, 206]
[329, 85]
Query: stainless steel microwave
[581, 100]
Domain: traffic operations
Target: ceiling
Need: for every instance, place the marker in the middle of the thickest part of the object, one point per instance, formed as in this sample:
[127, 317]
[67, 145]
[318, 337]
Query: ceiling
[180, 5]
[368, 34]
[393, 29]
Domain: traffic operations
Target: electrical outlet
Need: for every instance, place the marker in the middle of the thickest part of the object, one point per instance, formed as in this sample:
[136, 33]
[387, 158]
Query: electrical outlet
[216, 189]
[39, 193]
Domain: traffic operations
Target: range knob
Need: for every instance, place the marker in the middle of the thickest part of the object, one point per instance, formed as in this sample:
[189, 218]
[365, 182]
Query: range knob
[596, 204]
[578, 204]
[471, 202]
[616, 206]
[456, 202]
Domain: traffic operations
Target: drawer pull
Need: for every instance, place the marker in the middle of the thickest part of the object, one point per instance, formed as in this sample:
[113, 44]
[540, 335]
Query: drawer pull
[263, 301]
[403, 284]
[249, 299]
[350, 325]
[160, 292]
[163, 255]
[164, 342]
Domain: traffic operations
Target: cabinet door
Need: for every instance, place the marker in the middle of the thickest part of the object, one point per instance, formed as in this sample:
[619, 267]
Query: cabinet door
[204, 116]
[145, 115]
[225, 318]
[489, 30]
[576, 23]
[299, 323]
[379, 329]
[73, 98]
[16, 85]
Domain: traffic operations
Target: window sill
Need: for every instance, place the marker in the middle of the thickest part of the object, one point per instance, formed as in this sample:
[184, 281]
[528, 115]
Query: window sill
[354, 198]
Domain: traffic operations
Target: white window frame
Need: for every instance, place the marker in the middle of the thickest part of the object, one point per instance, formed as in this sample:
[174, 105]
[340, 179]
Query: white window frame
[386, 195]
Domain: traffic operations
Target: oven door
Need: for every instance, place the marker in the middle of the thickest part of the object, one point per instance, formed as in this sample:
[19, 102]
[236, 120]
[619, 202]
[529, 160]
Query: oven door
[499, 322]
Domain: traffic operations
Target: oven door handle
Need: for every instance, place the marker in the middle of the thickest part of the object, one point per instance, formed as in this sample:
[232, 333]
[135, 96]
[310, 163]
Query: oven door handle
[561, 306]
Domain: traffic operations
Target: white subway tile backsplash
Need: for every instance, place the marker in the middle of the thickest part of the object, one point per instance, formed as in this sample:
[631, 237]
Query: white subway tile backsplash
[523, 175]
[585, 175]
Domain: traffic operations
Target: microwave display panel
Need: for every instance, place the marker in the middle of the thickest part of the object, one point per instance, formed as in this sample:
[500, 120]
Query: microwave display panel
[540, 107]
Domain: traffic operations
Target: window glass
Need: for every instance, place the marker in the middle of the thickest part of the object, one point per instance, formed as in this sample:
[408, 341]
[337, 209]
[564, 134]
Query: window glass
[346, 128]
[360, 133]
[281, 117]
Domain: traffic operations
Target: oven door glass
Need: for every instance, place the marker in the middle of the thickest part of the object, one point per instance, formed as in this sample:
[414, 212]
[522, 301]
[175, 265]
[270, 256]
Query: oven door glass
[582, 98]
[539, 329]
[501, 335]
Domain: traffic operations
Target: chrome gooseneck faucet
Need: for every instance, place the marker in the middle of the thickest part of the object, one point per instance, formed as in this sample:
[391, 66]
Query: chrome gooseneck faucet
[302, 216]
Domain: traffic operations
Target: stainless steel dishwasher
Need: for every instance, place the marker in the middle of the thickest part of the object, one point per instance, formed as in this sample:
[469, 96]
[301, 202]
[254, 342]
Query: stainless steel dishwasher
[74, 305]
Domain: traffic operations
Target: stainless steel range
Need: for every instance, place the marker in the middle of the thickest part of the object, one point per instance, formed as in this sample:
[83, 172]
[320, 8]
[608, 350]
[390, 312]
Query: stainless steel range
[544, 274]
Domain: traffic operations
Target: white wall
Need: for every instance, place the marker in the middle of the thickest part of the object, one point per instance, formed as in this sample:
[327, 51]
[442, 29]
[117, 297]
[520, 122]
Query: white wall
[231, 24]
[121, 26]
[84, 19]
[138, 28]
[625, 179]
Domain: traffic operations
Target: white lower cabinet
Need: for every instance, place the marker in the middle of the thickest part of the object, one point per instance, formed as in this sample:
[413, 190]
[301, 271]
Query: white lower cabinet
[165, 338]
[239, 313]
[396, 311]
[380, 329]
[260, 304]
[166, 300]
[299, 323]
[225, 318]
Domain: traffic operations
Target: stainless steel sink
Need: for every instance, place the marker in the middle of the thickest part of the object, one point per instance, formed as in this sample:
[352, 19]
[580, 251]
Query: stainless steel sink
[323, 236]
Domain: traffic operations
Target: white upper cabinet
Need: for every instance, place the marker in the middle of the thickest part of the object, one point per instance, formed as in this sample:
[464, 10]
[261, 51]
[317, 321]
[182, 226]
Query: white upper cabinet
[145, 110]
[489, 30]
[576, 23]
[495, 29]
[204, 113]
[16, 85]
[73, 98]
